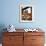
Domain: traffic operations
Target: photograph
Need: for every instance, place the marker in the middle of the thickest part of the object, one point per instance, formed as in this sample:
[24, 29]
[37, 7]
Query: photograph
[26, 13]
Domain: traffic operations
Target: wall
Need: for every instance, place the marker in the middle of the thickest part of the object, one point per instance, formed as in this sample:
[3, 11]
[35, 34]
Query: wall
[9, 13]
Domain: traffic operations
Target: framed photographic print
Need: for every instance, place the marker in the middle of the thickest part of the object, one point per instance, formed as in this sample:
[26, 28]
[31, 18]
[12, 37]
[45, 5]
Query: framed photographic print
[26, 13]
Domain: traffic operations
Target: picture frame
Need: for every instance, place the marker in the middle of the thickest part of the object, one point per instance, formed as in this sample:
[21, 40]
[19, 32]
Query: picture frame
[26, 13]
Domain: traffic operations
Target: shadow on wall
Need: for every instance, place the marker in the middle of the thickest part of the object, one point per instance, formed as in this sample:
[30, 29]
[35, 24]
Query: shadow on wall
[2, 26]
